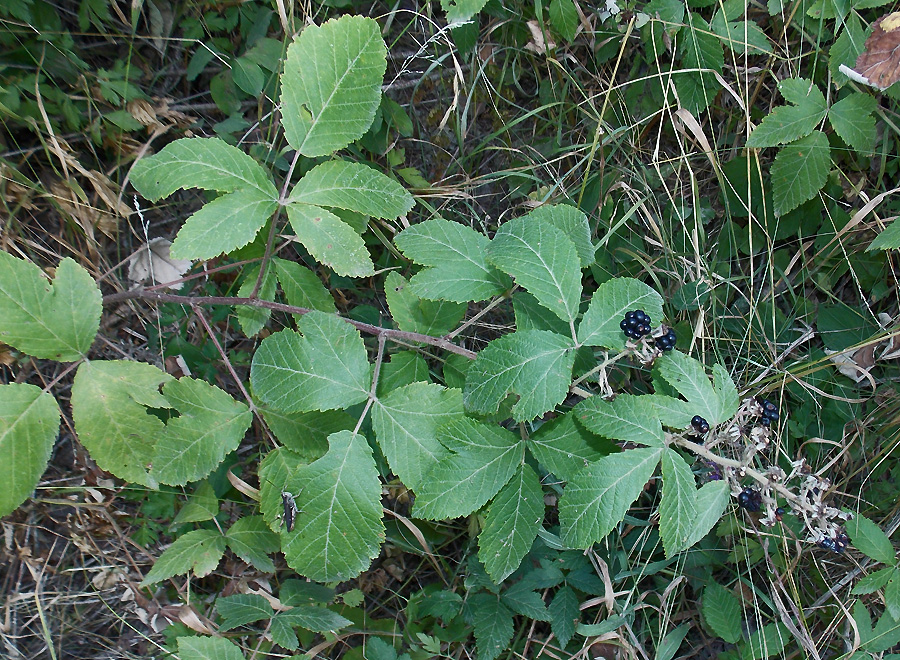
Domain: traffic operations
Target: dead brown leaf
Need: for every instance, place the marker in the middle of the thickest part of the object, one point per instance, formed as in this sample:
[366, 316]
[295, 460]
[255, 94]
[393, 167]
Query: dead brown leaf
[879, 63]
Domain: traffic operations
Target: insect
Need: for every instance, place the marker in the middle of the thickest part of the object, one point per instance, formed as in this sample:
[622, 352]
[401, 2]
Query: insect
[289, 503]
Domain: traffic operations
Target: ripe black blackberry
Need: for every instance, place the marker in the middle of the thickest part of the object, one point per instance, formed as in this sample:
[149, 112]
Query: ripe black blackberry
[636, 324]
[750, 499]
[837, 544]
[769, 412]
[667, 341]
[699, 424]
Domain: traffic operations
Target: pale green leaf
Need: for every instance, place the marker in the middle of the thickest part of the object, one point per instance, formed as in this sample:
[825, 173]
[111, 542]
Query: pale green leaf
[208, 648]
[709, 503]
[726, 392]
[492, 622]
[767, 641]
[277, 473]
[209, 425]
[596, 499]
[673, 413]
[787, 123]
[252, 319]
[207, 163]
[224, 224]
[868, 538]
[888, 239]
[306, 433]
[459, 11]
[414, 314]
[535, 364]
[241, 609]
[628, 418]
[322, 367]
[610, 302]
[111, 405]
[565, 613]
[677, 510]
[406, 423]
[248, 76]
[689, 378]
[485, 458]
[55, 322]
[29, 424]
[852, 119]
[564, 18]
[317, 619]
[563, 447]
[331, 85]
[511, 524]
[338, 531]
[301, 286]
[455, 256]
[722, 612]
[543, 260]
[573, 223]
[330, 240]
[198, 551]
[251, 540]
[799, 171]
[354, 187]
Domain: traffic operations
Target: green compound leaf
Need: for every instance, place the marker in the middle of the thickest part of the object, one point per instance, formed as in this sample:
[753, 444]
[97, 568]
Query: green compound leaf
[29, 424]
[874, 581]
[543, 260]
[701, 53]
[677, 510]
[241, 609]
[414, 314]
[455, 256]
[628, 418]
[301, 287]
[354, 187]
[610, 302]
[596, 499]
[799, 171]
[709, 503]
[535, 364]
[111, 405]
[563, 447]
[208, 648]
[688, 377]
[493, 624]
[322, 367]
[573, 223]
[565, 614]
[485, 458]
[406, 422]
[55, 322]
[564, 18]
[330, 240]
[787, 123]
[852, 119]
[338, 530]
[522, 599]
[869, 539]
[198, 551]
[511, 524]
[306, 433]
[252, 540]
[331, 85]
[722, 612]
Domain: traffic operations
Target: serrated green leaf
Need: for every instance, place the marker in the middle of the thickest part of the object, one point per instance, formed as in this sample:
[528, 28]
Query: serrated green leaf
[722, 612]
[628, 418]
[787, 123]
[741, 36]
[317, 619]
[563, 447]
[301, 286]
[198, 551]
[892, 597]
[202, 505]
[55, 322]
[535, 364]
[277, 473]
[531, 315]
[323, 368]
[252, 319]
[767, 641]
[252, 540]
[701, 52]
[868, 538]
[543, 260]
[404, 368]
[493, 624]
[564, 18]
[209, 424]
[522, 599]
[29, 424]
[873, 581]
[406, 423]
[709, 502]
[208, 648]
[673, 413]
[484, 459]
[455, 256]
[354, 187]
[414, 314]
[596, 499]
[846, 48]
[338, 531]
[852, 119]
[564, 614]
[459, 11]
[689, 378]
[610, 302]
[885, 635]
[331, 85]
[111, 402]
[511, 524]
[307, 433]
[726, 392]
[677, 510]
[799, 171]
[248, 76]
[241, 609]
[330, 240]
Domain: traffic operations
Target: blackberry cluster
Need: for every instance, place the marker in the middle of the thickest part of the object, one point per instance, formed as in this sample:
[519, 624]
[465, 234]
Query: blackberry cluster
[769, 413]
[699, 424]
[667, 341]
[636, 324]
[750, 499]
[837, 544]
